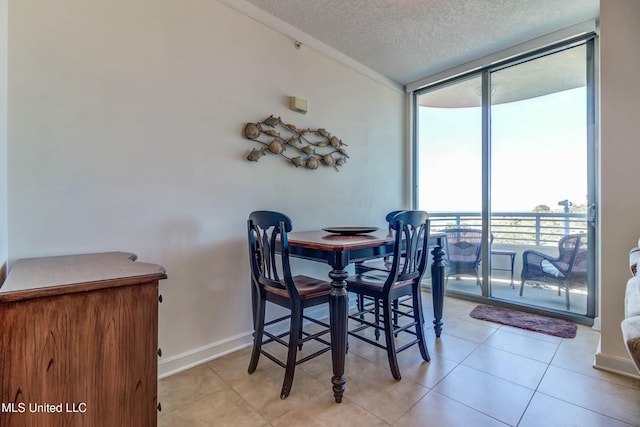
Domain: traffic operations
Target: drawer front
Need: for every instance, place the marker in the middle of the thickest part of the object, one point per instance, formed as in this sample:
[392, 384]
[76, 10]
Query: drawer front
[81, 359]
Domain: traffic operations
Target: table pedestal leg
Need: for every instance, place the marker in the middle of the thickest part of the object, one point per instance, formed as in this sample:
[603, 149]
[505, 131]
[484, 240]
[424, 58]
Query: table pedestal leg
[338, 310]
[437, 287]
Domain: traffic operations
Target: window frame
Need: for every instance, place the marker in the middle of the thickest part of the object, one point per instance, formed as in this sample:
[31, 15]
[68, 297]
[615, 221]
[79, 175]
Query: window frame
[589, 39]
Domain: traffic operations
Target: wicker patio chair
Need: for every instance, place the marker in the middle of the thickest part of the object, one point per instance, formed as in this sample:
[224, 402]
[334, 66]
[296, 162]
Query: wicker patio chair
[463, 252]
[568, 270]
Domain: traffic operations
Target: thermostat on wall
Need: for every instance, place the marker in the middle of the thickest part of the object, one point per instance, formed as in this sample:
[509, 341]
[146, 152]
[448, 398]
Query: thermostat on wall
[298, 104]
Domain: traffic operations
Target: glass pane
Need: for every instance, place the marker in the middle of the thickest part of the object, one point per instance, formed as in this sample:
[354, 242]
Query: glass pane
[539, 180]
[450, 174]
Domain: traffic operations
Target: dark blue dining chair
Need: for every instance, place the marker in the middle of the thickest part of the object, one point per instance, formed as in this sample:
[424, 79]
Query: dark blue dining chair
[403, 279]
[380, 264]
[383, 264]
[273, 282]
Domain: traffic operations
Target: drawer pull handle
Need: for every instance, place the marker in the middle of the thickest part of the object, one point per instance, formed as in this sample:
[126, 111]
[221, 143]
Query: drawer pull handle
[160, 352]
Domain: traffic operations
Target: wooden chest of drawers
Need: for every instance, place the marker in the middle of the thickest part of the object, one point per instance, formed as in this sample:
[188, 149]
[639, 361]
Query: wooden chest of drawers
[79, 342]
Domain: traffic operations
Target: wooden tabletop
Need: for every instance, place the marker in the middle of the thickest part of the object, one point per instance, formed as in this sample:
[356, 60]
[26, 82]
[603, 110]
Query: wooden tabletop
[319, 239]
[35, 277]
[323, 240]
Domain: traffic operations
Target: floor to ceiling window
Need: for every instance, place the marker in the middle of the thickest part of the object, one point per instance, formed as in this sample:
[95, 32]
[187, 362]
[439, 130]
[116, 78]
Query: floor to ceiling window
[505, 166]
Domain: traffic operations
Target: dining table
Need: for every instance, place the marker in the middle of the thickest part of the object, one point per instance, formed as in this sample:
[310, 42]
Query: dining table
[341, 249]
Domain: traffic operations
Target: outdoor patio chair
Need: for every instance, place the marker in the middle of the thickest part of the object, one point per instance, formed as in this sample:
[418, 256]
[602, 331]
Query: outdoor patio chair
[463, 252]
[567, 270]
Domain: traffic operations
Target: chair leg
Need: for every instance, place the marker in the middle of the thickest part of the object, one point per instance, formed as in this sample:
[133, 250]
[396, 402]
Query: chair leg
[294, 333]
[300, 333]
[376, 313]
[521, 287]
[257, 334]
[396, 307]
[391, 346]
[419, 319]
[566, 291]
[360, 304]
[254, 303]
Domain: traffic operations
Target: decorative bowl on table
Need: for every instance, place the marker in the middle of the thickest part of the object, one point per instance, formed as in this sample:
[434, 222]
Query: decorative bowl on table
[350, 231]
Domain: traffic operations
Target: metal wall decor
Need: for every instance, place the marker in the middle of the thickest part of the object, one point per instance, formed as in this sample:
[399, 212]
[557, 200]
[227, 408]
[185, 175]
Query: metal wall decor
[313, 148]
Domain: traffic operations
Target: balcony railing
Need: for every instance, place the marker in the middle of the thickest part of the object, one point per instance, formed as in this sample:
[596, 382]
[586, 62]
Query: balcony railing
[516, 228]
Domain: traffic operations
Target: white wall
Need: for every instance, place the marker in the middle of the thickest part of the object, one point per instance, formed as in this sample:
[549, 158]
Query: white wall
[3, 136]
[620, 170]
[125, 133]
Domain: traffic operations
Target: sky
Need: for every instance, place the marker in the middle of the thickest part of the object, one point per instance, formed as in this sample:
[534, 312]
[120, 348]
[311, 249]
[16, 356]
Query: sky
[538, 154]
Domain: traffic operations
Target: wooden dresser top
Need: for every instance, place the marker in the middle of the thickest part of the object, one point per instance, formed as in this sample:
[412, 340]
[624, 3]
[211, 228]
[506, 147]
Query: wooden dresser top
[39, 277]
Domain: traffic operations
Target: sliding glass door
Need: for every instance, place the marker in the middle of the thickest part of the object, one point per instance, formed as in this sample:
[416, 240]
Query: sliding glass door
[509, 152]
[450, 178]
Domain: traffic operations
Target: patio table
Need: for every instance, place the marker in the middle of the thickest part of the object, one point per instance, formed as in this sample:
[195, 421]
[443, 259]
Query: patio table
[341, 250]
[512, 258]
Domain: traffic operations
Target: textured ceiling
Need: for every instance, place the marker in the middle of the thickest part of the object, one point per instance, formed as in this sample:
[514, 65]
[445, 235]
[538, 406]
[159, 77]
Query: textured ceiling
[406, 40]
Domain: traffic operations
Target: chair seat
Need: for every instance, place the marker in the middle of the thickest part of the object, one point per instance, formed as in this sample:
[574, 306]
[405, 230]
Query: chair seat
[307, 287]
[376, 264]
[374, 280]
[464, 259]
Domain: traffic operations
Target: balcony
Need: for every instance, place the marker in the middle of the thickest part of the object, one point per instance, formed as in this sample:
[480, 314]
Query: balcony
[518, 231]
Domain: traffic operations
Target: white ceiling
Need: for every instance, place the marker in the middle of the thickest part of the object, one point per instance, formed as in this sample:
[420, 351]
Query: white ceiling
[406, 40]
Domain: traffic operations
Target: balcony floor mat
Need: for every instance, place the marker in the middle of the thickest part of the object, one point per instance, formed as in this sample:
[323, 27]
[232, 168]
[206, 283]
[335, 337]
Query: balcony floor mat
[532, 322]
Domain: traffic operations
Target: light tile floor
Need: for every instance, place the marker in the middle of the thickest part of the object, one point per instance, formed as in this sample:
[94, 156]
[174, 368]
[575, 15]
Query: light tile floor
[480, 374]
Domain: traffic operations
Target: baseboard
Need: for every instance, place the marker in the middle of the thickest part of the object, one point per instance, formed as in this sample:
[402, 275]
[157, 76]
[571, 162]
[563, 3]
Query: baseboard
[168, 366]
[189, 359]
[615, 364]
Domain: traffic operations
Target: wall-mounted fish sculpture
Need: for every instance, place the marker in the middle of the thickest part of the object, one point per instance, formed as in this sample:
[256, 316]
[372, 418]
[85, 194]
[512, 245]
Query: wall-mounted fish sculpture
[314, 147]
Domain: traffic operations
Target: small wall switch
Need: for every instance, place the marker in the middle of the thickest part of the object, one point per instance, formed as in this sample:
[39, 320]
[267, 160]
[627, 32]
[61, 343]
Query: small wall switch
[298, 104]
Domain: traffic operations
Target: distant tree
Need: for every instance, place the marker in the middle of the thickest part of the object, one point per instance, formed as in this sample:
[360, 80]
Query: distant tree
[542, 208]
[579, 208]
